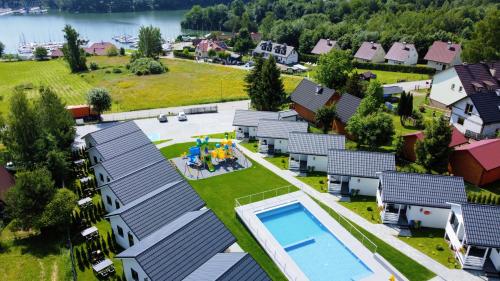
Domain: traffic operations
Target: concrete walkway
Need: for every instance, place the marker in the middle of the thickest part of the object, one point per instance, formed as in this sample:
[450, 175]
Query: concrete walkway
[383, 232]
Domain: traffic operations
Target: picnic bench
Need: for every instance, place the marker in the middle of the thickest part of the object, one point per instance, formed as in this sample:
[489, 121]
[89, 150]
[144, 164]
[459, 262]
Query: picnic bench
[104, 268]
[90, 233]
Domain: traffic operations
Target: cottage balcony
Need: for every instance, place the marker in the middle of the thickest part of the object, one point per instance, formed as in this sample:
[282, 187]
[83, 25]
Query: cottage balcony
[297, 165]
[394, 214]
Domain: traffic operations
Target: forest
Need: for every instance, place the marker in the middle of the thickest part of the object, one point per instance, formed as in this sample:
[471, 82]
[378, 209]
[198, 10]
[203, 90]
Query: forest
[301, 23]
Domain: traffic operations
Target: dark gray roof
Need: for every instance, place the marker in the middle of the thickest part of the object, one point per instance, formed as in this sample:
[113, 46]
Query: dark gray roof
[150, 212]
[113, 132]
[274, 49]
[126, 163]
[143, 181]
[359, 163]
[279, 129]
[229, 267]
[122, 145]
[422, 189]
[314, 144]
[305, 95]
[179, 248]
[346, 107]
[488, 106]
[482, 225]
[287, 113]
[250, 118]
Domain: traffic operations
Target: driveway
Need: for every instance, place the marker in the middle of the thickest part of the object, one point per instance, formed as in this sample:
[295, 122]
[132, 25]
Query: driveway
[413, 85]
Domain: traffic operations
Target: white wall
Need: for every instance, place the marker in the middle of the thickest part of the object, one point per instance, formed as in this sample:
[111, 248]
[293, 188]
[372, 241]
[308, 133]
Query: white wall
[366, 186]
[94, 153]
[437, 65]
[98, 171]
[122, 241]
[282, 145]
[318, 162]
[495, 258]
[441, 87]
[293, 58]
[129, 263]
[105, 192]
[89, 142]
[436, 219]
[472, 122]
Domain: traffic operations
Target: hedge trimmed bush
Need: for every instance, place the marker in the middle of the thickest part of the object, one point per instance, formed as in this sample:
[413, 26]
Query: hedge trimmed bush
[395, 67]
[146, 66]
[181, 54]
[309, 58]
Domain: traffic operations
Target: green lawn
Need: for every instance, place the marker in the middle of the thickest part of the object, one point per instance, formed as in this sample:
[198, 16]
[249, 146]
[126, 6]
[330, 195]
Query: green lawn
[364, 206]
[407, 266]
[316, 180]
[220, 192]
[231, 135]
[187, 82]
[390, 77]
[176, 150]
[430, 241]
[279, 160]
[32, 256]
[161, 141]
[253, 146]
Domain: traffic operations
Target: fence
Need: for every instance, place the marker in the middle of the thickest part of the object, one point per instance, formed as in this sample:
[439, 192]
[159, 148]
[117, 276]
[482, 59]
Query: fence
[200, 110]
[153, 113]
[245, 200]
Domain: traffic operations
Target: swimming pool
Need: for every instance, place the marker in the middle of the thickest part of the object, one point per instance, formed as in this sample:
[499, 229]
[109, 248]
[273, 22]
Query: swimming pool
[315, 250]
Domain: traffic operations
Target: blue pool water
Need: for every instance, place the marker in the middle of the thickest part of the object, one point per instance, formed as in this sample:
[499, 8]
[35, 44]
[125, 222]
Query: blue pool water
[318, 253]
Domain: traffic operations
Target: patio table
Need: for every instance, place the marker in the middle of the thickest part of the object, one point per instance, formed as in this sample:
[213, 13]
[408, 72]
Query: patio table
[102, 265]
[90, 232]
[84, 202]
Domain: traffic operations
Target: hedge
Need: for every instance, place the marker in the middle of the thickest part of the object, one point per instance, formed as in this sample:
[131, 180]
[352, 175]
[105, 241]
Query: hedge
[395, 67]
[309, 58]
[181, 54]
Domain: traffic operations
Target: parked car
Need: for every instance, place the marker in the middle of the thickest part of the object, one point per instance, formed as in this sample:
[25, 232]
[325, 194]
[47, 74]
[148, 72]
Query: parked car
[182, 116]
[162, 118]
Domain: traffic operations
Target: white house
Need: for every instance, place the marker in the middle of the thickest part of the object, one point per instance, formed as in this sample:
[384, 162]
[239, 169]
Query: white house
[357, 171]
[420, 200]
[177, 249]
[402, 53]
[162, 206]
[473, 233]
[324, 46]
[370, 52]
[246, 122]
[460, 81]
[309, 152]
[206, 45]
[110, 133]
[273, 134]
[281, 52]
[477, 115]
[443, 55]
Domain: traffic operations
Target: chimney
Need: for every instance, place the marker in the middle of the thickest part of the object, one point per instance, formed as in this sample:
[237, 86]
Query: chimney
[328, 42]
[493, 71]
[450, 47]
[372, 45]
[319, 89]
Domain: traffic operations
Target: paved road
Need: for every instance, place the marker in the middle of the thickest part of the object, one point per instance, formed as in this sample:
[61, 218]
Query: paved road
[413, 85]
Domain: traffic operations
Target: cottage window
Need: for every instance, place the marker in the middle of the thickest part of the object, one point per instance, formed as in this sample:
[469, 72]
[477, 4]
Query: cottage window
[135, 275]
[468, 109]
[107, 178]
[130, 239]
[460, 89]
[453, 86]
[460, 120]
[119, 229]
[95, 159]
[117, 204]
[101, 177]
[108, 199]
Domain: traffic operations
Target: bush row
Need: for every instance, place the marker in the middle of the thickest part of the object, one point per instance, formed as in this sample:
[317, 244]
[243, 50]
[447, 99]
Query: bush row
[309, 58]
[395, 67]
[484, 199]
[181, 54]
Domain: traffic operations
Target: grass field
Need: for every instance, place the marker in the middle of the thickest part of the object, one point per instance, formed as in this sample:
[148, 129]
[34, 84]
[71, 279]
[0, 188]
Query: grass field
[364, 206]
[186, 83]
[316, 180]
[279, 160]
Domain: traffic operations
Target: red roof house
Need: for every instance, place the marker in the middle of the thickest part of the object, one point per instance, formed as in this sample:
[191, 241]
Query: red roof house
[370, 52]
[442, 55]
[478, 162]
[410, 140]
[56, 53]
[99, 49]
[6, 182]
[324, 46]
[402, 53]
[206, 45]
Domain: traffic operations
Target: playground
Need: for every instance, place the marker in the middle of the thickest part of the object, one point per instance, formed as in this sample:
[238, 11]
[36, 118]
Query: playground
[207, 159]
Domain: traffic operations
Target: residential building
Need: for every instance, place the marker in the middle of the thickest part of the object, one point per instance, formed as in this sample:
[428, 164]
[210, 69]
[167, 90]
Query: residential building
[309, 152]
[308, 97]
[138, 183]
[117, 147]
[346, 107]
[357, 171]
[324, 46]
[288, 115]
[206, 45]
[273, 134]
[421, 200]
[478, 115]
[472, 232]
[283, 53]
[177, 249]
[246, 122]
[402, 53]
[122, 165]
[56, 53]
[110, 133]
[99, 49]
[460, 81]
[148, 213]
[443, 55]
[478, 162]
[410, 141]
[370, 52]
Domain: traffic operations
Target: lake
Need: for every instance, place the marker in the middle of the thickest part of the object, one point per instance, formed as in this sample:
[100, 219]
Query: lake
[94, 27]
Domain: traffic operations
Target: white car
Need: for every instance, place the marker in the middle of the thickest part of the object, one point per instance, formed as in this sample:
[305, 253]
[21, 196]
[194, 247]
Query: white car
[162, 118]
[181, 116]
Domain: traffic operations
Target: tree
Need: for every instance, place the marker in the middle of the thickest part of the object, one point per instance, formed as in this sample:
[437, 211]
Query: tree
[374, 130]
[99, 99]
[376, 91]
[59, 166]
[122, 51]
[433, 152]
[399, 146]
[27, 200]
[334, 68]
[324, 117]
[354, 85]
[150, 42]
[485, 40]
[252, 81]
[243, 42]
[212, 53]
[40, 53]
[271, 89]
[405, 107]
[73, 53]
[58, 210]
[112, 51]
[2, 48]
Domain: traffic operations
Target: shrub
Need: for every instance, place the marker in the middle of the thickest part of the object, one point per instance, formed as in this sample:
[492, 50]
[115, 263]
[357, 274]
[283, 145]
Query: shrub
[421, 108]
[183, 54]
[418, 119]
[94, 66]
[395, 67]
[439, 248]
[369, 209]
[107, 72]
[497, 201]
[117, 70]
[309, 58]
[112, 51]
[146, 66]
[122, 51]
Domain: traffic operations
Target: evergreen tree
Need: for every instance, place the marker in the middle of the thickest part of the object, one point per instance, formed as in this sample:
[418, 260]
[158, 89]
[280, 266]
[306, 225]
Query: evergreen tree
[433, 152]
[252, 81]
[243, 42]
[405, 107]
[399, 146]
[2, 48]
[271, 88]
[73, 53]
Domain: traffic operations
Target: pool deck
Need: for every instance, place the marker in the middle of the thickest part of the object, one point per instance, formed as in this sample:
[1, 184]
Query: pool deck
[248, 214]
